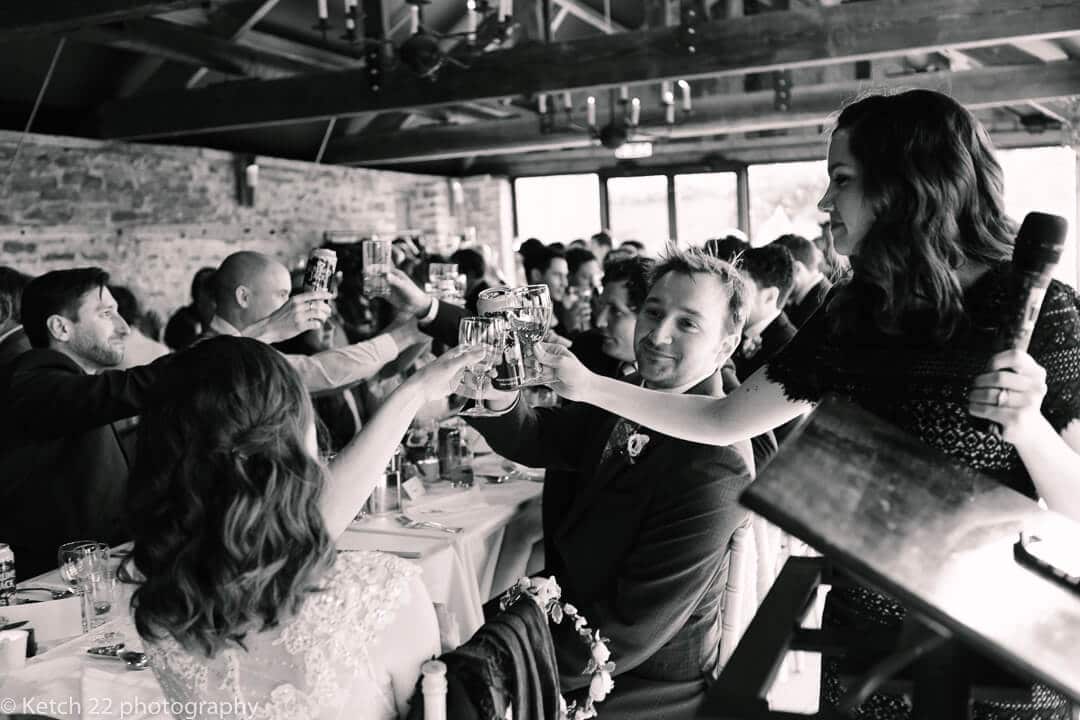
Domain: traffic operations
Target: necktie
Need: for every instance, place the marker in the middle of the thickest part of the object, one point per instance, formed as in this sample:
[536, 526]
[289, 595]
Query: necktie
[618, 438]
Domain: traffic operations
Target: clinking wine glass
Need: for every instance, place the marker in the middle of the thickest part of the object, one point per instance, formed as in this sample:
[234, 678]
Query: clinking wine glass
[488, 333]
[530, 320]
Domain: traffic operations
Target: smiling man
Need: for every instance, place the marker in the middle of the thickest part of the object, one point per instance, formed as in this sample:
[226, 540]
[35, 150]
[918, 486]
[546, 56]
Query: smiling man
[639, 541]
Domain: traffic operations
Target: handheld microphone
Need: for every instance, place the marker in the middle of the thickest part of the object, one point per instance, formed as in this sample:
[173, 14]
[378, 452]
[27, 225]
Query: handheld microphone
[1037, 251]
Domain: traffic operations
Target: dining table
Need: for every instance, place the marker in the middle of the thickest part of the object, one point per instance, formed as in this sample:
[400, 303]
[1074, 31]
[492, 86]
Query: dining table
[497, 531]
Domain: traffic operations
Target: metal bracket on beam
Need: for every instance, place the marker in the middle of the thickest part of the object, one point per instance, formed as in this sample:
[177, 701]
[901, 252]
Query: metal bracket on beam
[688, 34]
[782, 90]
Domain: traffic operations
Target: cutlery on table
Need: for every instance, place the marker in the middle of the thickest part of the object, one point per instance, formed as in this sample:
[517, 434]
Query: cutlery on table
[132, 660]
[57, 593]
[426, 524]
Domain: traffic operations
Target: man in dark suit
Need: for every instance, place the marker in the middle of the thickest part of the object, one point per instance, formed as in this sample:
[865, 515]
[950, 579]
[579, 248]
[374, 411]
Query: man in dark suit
[639, 544]
[63, 468]
[810, 286]
[769, 274]
[13, 342]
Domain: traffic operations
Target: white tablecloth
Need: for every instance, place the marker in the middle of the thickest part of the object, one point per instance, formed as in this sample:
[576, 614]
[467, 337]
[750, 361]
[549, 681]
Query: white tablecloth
[501, 526]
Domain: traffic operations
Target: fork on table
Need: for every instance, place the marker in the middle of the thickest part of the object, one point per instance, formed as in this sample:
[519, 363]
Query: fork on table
[413, 524]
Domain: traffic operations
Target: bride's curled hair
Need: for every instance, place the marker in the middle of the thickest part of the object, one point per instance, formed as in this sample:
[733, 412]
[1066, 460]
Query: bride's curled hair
[224, 502]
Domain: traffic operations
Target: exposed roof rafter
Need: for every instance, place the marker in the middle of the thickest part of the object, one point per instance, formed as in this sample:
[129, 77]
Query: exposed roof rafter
[21, 19]
[806, 37]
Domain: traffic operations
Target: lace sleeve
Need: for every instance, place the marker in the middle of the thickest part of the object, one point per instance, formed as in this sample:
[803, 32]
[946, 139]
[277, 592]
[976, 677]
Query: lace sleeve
[1055, 345]
[798, 367]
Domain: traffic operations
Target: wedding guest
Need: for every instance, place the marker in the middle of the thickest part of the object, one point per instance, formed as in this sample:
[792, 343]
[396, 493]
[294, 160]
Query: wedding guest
[139, 349]
[727, 248]
[769, 275]
[190, 321]
[250, 286]
[472, 265]
[547, 266]
[811, 286]
[13, 341]
[609, 348]
[915, 198]
[600, 244]
[241, 592]
[65, 471]
[641, 564]
[575, 311]
[633, 247]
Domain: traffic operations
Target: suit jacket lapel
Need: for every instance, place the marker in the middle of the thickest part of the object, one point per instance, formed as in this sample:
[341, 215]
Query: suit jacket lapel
[596, 475]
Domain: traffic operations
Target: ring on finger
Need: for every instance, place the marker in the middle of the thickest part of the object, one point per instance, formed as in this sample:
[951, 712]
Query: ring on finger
[1002, 397]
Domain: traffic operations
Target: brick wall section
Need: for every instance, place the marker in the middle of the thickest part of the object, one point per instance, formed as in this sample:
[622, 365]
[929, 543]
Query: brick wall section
[152, 215]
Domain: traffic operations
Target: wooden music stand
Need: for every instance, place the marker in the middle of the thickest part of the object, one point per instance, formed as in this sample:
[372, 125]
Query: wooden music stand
[928, 531]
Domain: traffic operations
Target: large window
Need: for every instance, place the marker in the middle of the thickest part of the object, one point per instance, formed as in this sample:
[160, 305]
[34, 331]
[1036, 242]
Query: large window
[557, 208]
[639, 210]
[705, 206]
[784, 198]
[1044, 179]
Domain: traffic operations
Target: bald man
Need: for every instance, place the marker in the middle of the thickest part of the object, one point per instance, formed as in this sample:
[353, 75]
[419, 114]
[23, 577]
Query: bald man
[252, 292]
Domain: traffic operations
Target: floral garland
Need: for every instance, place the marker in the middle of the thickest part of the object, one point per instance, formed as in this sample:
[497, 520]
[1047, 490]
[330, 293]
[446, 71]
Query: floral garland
[546, 593]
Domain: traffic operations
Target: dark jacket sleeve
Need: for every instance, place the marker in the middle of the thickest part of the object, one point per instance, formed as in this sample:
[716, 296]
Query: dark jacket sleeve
[676, 557]
[444, 327]
[47, 397]
[539, 437]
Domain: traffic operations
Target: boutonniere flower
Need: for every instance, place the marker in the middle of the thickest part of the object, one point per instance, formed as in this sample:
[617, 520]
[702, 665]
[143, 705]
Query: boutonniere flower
[635, 444]
[750, 345]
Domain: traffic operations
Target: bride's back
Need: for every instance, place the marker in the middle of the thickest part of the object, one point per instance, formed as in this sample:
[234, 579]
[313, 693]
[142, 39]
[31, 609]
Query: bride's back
[352, 651]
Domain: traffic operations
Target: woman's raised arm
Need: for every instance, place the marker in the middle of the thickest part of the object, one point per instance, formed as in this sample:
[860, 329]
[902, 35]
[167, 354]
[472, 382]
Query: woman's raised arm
[755, 407]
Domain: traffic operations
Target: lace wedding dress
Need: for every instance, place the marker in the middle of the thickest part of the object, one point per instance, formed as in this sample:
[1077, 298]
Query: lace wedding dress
[319, 664]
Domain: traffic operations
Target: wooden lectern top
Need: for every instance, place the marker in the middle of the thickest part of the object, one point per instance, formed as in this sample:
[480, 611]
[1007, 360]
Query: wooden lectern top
[928, 531]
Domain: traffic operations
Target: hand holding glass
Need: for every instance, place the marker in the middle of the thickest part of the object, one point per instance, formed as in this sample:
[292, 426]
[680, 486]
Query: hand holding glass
[488, 333]
[530, 320]
[375, 255]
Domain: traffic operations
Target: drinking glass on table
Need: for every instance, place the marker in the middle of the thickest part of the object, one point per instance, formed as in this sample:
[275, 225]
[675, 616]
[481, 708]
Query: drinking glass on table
[375, 255]
[84, 565]
[488, 333]
[530, 320]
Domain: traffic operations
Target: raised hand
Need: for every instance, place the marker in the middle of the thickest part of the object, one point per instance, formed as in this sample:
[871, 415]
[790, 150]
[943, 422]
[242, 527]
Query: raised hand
[300, 313]
[405, 295]
[443, 376]
[571, 379]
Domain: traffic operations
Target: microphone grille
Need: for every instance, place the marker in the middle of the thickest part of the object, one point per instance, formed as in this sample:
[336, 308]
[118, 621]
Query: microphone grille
[1039, 242]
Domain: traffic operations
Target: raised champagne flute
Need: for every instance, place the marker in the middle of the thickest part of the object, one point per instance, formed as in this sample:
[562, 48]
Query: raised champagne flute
[530, 321]
[488, 333]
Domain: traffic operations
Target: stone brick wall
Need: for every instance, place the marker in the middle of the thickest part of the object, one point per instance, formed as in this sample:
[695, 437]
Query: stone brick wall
[152, 215]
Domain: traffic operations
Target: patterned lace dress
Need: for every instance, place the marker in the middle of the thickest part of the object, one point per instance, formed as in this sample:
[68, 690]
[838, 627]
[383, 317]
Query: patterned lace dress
[922, 386]
[315, 666]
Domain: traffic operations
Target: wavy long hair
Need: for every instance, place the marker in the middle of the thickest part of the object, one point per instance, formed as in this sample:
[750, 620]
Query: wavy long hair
[930, 177]
[225, 502]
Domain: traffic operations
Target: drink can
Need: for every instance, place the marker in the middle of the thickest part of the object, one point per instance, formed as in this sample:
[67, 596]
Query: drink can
[510, 366]
[386, 495]
[320, 268]
[7, 575]
[449, 449]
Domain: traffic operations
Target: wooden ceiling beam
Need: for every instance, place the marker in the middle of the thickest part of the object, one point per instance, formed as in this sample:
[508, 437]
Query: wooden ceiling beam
[799, 38]
[232, 27]
[22, 19]
[588, 15]
[193, 47]
[721, 114]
